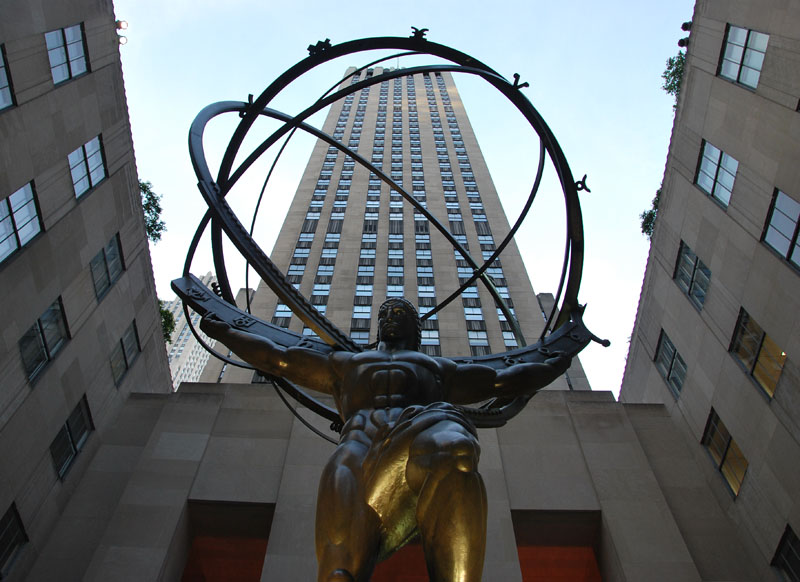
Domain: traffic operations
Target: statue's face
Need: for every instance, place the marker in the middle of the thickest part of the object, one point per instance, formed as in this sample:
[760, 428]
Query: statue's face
[397, 322]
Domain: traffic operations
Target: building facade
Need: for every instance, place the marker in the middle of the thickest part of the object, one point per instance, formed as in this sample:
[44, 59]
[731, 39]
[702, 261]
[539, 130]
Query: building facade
[80, 321]
[187, 357]
[717, 334]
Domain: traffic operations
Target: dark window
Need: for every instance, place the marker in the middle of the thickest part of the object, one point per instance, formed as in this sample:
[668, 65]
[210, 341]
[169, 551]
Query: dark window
[743, 56]
[12, 539]
[479, 350]
[107, 267]
[125, 353]
[727, 455]
[19, 220]
[71, 438]
[87, 166]
[67, 51]
[716, 173]
[787, 557]
[44, 339]
[782, 227]
[6, 89]
[692, 275]
[755, 350]
[431, 349]
[670, 364]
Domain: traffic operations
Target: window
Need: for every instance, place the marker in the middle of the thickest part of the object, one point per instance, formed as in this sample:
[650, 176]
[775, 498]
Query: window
[478, 338]
[756, 351]
[360, 337]
[125, 353]
[12, 539]
[509, 340]
[107, 267]
[67, 52]
[44, 339]
[19, 220]
[430, 337]
[6, 90]
[787, 557]
[71, 438]
[87, 166]
[781, 231]
[743, 56]
[473, 314]
[716, 172]
[394, 291]
[361, 311]
[670, 364]
[727, 455]
[692, 275]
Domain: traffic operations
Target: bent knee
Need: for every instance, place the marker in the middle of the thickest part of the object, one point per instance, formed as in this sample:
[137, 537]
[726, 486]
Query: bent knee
[446, 450]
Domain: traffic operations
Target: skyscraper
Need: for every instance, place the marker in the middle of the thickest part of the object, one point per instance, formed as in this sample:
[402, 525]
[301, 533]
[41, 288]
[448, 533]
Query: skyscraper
[349, 241]
[717, 334]
[79, 314]
[187, 357]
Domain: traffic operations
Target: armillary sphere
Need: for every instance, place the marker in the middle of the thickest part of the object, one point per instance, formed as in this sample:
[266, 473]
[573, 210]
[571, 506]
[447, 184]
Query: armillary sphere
[564, 331]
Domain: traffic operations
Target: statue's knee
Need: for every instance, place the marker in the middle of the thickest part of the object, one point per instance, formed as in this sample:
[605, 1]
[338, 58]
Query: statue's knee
[448, 450]
[465, 455]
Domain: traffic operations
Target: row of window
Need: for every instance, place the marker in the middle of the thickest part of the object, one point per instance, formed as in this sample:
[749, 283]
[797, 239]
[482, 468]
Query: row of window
[66, 50]
[20, 217]
[758, 354]
[66, 445]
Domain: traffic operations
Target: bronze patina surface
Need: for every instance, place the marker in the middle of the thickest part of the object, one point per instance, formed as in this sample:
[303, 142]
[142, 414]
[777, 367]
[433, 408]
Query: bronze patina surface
[407, 459]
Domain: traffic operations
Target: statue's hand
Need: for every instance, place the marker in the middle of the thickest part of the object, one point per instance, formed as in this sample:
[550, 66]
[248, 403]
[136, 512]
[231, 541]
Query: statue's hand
[213, 326]
[559, 362]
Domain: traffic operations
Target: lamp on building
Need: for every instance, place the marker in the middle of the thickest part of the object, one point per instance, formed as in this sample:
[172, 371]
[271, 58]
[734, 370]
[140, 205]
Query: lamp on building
[684, 42]
[121, 25]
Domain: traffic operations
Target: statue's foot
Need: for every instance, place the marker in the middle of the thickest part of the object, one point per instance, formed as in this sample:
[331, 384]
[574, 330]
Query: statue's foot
[340, 575]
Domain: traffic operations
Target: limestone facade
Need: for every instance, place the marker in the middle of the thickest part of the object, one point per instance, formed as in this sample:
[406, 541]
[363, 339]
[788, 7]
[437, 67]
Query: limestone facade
[75, 272]
[729, 308]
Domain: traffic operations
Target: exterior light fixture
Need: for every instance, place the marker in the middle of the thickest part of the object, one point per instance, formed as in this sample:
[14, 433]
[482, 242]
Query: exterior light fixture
[122, 24]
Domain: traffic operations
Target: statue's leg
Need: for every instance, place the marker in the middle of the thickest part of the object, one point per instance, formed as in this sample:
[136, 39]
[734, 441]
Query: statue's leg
[347, 529]
[451, 510]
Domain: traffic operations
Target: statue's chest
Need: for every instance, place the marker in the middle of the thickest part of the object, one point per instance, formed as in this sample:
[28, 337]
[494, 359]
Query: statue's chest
[391, 383]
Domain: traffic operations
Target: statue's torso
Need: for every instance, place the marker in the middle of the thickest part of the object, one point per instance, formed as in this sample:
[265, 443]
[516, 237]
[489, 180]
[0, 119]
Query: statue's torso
[377, 386]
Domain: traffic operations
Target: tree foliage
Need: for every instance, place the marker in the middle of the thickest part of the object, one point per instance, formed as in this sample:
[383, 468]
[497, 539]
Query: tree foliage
[167, 321]
[648, 217]
[673, 76]
[151, 205]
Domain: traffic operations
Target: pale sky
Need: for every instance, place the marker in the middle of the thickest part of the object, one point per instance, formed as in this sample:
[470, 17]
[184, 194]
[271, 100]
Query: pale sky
[594, 70]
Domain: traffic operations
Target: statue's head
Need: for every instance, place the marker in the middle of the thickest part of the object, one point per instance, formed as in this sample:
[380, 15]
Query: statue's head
[398, 320]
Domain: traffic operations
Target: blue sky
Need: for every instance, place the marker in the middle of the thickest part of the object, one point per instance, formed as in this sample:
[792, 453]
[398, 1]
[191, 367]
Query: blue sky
[594, 70]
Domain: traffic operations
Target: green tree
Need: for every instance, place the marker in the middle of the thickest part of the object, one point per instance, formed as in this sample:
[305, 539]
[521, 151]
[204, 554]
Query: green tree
[648, 217]
[151, 205]
[673, 76]
[155, 227]
[167, 321]
[673, 80]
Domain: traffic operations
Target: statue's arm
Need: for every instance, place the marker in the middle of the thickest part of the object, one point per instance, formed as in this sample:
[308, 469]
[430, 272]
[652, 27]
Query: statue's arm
[299, 365]
[468, 383]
